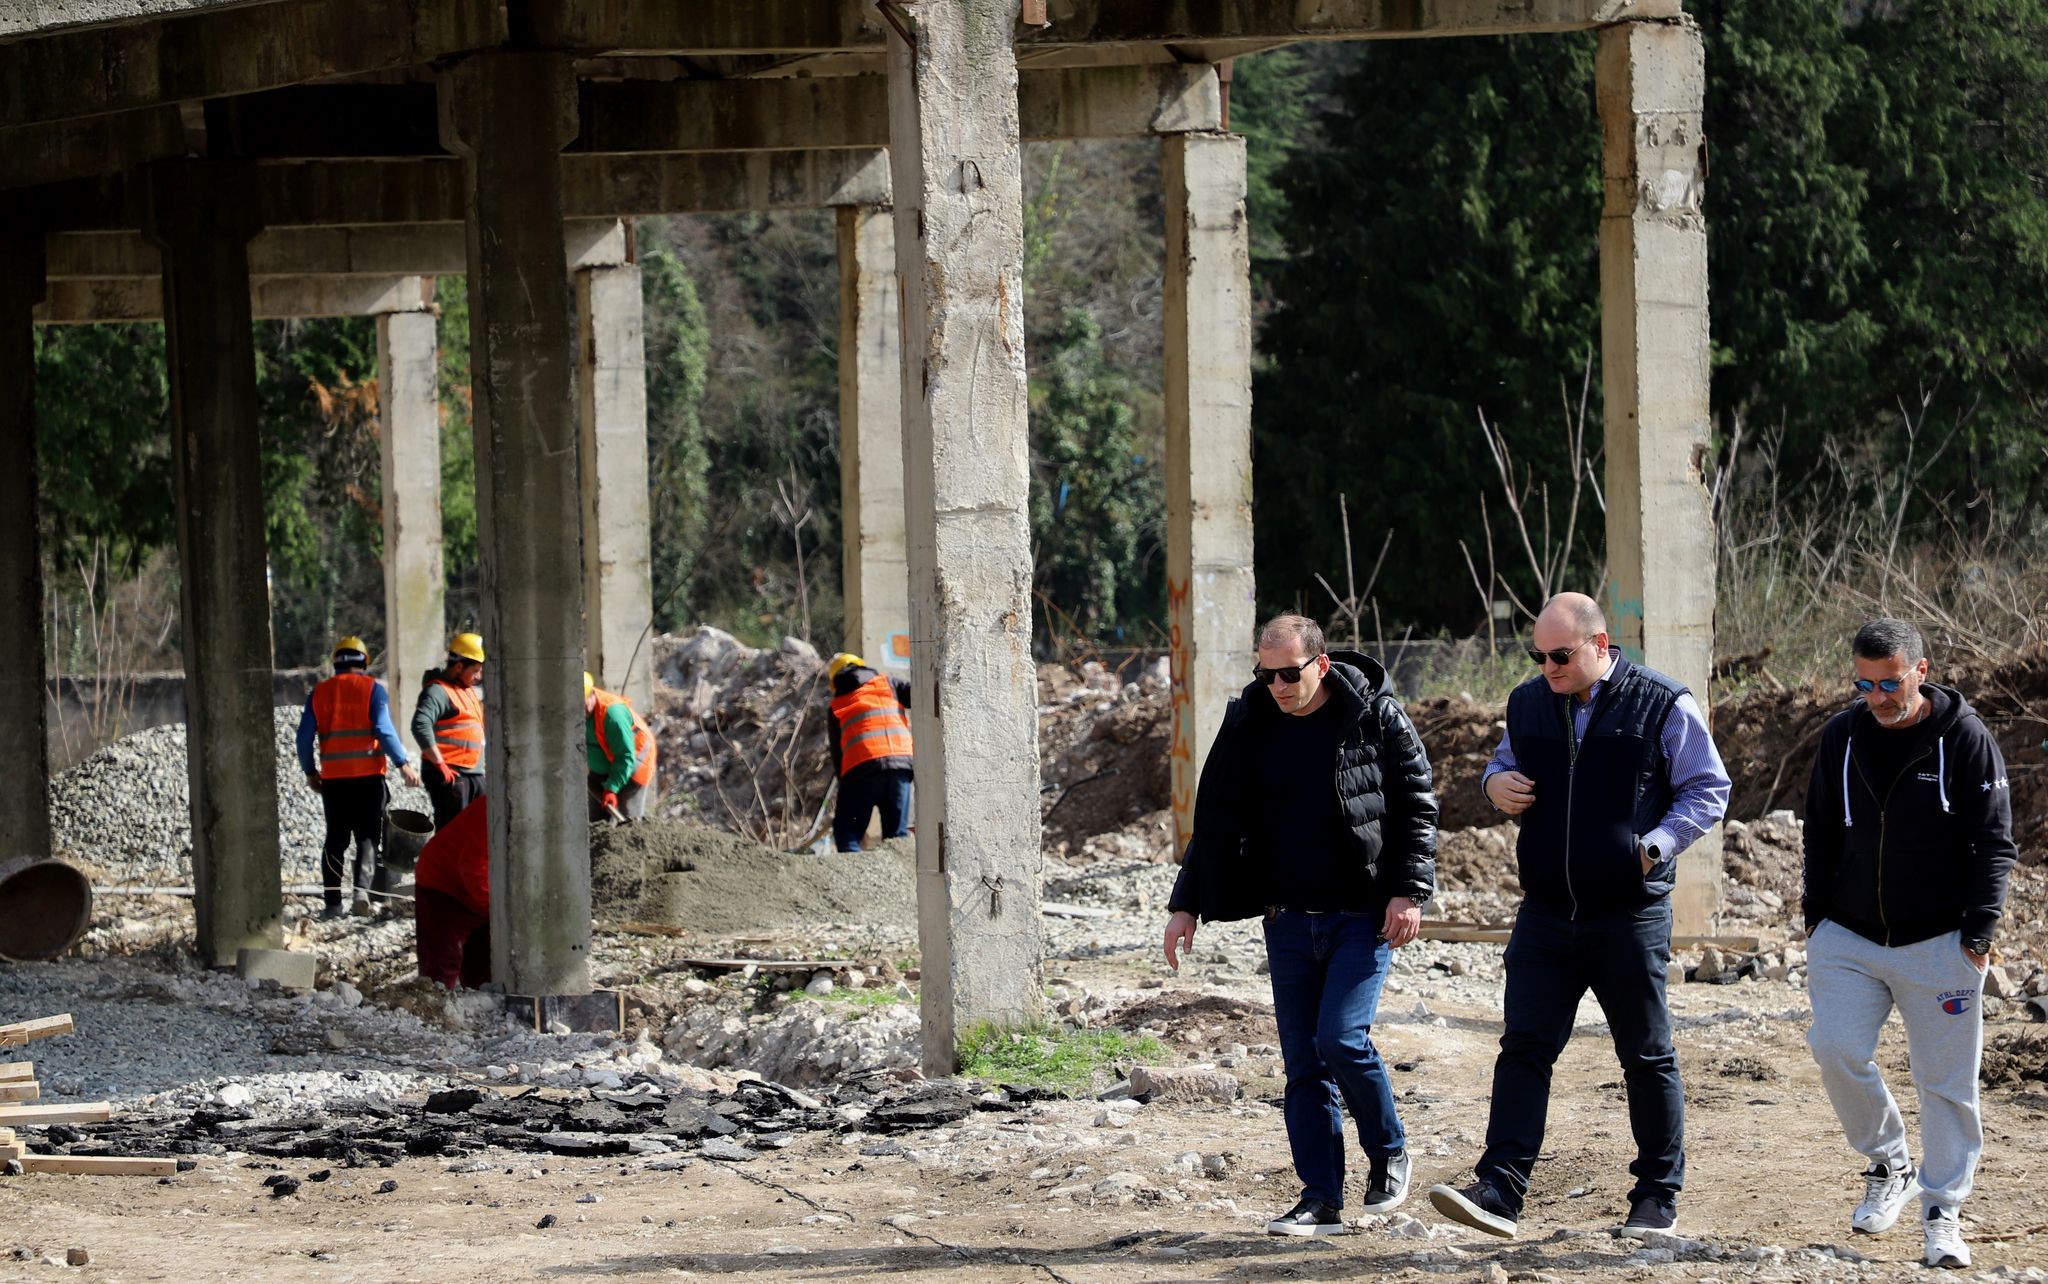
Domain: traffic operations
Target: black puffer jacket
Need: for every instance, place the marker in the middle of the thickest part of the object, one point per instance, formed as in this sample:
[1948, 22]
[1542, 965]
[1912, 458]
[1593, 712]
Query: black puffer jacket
[1382, 780]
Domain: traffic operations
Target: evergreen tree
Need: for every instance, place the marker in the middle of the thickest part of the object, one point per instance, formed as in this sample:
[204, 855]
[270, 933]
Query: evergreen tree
[678, 460]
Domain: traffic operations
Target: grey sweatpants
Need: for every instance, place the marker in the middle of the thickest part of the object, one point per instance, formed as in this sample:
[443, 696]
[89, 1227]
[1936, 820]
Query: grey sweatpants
[1854, 983]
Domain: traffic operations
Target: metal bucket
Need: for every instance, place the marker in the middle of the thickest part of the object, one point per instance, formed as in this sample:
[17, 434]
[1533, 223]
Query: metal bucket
[405, 833]
[45, 905]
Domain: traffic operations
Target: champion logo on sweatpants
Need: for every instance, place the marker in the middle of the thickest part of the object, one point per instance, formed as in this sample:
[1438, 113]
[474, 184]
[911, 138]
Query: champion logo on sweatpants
[1957, 1002]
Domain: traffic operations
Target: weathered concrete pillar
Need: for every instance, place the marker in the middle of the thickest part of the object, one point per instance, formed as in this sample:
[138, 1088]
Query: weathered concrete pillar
[1208, 445]
[960, 246]
[199, 216]
[415, 587]
[877, 569]
[1653, 358]
[24, 750]
[618, 573]
[508, 115]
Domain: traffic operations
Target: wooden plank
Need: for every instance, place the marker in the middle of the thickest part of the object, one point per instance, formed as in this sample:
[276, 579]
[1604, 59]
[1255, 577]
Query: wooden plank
[20, 1090]
[99, 1165]
[11, 1151]
[78, 1112]
[41, 1028]
[12, 1070]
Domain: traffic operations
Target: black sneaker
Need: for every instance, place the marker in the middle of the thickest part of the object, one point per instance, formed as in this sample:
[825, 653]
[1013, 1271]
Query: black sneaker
[331, 910]
[1309, 1217]
[1387, 1186]
[1648, 1216]
[1479, 1206]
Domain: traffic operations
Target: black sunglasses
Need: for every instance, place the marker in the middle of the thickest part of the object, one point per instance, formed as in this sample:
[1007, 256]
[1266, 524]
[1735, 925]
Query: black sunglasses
[1288, 673]
[1557, 655]
[1886, 685]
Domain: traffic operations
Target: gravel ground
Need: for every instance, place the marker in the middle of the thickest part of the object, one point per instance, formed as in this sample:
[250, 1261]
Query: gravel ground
[124, 815]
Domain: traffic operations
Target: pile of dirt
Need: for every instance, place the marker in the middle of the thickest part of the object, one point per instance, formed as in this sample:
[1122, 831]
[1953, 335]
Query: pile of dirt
[2011, 1057]
[1460, 736]
[715, 884]
[1189, 1021]
[1104, 749]
[743, 733]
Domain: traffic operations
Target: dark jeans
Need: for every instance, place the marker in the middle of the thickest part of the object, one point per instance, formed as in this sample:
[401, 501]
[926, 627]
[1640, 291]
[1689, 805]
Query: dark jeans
[355, 814]
[859, 795]
[1552, 961]
[1327, 973]
[449, 800]
[451, 940]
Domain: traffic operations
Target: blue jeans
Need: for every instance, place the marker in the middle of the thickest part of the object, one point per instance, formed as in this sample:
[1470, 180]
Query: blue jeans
[1327, 973]
[1552, 960]
[886, 788]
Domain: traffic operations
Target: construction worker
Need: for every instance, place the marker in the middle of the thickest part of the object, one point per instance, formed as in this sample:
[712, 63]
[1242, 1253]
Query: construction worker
[620, 750]
[349, 716]
[448, 725]
[869, 725]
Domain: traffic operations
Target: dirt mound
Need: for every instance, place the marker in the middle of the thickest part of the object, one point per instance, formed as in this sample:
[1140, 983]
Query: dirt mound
[1103, 752]
[713, 883]
[1478, 860]
[1460, 736]
[1189, 1020]
[2011, 1057]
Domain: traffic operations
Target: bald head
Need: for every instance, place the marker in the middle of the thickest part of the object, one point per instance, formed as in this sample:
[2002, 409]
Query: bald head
[1573, 611]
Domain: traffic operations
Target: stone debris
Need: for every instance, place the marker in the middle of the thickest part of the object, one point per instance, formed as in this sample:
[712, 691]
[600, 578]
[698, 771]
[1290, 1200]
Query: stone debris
[1167, 1083]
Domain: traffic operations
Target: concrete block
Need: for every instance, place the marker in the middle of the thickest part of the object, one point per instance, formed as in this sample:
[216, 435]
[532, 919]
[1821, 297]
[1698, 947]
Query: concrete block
[1169, 1084]
[289, 968]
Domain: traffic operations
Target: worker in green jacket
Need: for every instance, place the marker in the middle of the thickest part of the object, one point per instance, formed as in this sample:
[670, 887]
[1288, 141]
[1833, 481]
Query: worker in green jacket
[620, 753]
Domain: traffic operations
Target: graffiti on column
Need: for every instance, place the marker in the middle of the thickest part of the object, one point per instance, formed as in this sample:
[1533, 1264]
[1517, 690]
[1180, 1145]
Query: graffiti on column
[1181, 667]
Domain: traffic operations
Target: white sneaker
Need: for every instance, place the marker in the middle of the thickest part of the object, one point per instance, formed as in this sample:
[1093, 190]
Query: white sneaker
[1945, 1246]
[1885, 1194]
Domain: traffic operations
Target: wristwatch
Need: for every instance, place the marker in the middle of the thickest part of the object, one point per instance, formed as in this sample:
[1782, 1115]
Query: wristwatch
[1978, 945]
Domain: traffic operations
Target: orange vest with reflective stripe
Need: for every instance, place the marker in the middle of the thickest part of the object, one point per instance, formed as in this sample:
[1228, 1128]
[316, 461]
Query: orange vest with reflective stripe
[872, 724]
[460, 735]
[643, 739]
[341, 717]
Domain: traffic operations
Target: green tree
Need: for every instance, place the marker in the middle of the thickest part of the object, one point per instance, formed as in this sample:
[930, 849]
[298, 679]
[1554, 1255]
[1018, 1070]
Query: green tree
[103, 443]
[678, 457]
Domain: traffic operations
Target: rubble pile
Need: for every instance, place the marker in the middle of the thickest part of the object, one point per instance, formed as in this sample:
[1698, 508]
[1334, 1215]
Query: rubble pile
[124, 814]
[713, 883]
[1104, 753]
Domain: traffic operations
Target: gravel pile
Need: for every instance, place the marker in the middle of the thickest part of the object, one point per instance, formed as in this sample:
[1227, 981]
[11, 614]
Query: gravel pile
[124, 814]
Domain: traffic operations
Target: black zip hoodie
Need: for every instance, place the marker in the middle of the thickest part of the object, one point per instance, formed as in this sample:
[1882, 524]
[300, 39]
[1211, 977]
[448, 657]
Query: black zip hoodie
[1929, 851]
[1381, 776]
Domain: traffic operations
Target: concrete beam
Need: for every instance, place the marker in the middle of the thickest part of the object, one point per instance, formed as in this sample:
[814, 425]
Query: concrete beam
[426, 249]
[1208, 386]
[618, 565]
[1114, 22]
[508, 114]
[1650, 83]
[233, 50]
[270, 299]
[960, 249]
[24, 750]
[368, 193]
[53, 152]
[43, 17]
[409, 462]
[876, 565]
[662, 27]
[197, 214]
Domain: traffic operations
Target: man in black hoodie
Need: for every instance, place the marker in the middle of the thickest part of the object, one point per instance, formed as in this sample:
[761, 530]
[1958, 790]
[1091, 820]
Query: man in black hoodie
[1315, 810]
[1908, 848]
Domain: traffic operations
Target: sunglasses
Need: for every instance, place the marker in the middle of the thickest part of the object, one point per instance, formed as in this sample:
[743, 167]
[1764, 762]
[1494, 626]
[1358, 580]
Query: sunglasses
[1557, 655]
[1288, 673]
[1886, 685]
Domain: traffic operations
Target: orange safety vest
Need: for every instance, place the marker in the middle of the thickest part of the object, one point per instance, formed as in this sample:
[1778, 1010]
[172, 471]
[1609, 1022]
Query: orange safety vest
[341, 717]
[872, 724]
[643, 739]
[460, 735]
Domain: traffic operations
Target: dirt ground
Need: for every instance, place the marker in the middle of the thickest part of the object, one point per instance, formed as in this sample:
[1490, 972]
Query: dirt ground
[679, 874]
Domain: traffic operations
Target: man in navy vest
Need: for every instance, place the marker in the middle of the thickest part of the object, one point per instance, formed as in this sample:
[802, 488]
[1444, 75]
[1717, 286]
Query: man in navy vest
[1609, 768]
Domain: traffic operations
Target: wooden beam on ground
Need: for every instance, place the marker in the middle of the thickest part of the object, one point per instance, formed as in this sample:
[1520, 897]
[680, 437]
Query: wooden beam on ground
[99, 1165]
[79, 1112]
[12, 1070]
[20, 1090]
[21, 1032]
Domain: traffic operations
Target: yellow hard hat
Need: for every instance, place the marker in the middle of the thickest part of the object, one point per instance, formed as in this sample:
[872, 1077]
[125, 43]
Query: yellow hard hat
[589, 685]
[467, 646]
[843, 661]
[351, 650]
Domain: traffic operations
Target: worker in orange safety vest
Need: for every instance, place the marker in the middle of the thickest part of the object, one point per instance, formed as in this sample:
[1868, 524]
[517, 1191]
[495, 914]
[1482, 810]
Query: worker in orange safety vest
[348, 716]
[869, 724]
[619, 750]
[448, 725]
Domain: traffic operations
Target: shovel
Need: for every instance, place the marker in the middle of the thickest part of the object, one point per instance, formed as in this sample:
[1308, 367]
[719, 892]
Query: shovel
[618, 818]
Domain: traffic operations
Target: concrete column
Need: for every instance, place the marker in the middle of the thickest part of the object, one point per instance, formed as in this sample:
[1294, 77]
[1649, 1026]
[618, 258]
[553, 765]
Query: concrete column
[960, 248]
[198, 215]
[507, 115]
[414, 584]
[24, 749]
[877, 570]
[1651, 81]
[618, 573]
[1208, 445]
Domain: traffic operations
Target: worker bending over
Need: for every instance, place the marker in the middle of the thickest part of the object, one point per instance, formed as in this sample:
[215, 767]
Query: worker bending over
[620, 750]
[349, 717]
[869, 724]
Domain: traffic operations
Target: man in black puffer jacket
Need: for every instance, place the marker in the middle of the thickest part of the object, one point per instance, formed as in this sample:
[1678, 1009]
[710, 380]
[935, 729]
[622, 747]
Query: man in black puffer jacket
[1315, 810]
